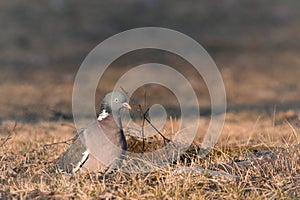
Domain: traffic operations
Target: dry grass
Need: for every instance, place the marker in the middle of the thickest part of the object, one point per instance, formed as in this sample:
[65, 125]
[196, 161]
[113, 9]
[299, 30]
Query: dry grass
[27, 161]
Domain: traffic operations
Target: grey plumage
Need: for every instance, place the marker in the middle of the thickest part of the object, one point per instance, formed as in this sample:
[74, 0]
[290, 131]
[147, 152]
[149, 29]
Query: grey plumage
[101, 145]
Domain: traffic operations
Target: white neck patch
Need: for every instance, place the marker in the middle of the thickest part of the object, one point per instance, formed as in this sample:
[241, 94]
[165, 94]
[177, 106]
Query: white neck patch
[84, 158]
[103, 115]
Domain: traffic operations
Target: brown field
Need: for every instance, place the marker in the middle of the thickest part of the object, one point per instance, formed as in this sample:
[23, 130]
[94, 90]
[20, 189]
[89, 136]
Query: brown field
[256, 50]
[29, 151]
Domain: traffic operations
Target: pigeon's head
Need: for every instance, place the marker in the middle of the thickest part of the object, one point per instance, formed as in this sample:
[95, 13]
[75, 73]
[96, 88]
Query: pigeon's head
[113, 102]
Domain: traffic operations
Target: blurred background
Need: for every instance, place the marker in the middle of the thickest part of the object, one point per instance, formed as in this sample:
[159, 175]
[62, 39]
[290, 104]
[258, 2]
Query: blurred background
[255, 44]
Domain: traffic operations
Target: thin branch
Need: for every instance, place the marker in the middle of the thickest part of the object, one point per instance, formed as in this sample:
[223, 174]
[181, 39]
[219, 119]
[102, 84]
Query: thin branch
[124, 91]
[144, 117]
[143, 135]
[9, 135]
[165, 139]
[56, 143]
[143, 125]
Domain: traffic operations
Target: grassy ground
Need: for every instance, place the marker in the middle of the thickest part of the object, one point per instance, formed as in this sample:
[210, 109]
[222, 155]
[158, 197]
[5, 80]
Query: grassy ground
[256, 120]
[28, 152]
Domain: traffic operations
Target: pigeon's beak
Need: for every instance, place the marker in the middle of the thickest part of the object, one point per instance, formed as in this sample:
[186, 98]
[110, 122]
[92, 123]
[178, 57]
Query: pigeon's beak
[126, 105]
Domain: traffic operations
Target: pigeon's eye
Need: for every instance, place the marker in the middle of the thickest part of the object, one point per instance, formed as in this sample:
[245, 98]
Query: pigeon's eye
[116, 100]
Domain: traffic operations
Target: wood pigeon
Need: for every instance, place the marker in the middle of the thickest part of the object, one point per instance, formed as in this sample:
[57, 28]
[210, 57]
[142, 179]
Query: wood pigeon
[102, 144]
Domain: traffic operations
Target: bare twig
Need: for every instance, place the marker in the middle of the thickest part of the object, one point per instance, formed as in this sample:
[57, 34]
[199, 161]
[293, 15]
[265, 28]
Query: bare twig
[143, 135]
[124, 91]
[144, 117]
[9, 135]
[165, 139]
[61, 142]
